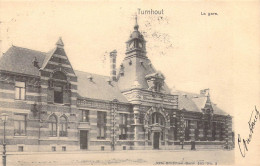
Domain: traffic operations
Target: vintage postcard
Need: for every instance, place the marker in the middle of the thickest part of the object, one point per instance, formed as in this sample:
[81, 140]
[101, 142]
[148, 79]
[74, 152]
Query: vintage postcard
[129, 83]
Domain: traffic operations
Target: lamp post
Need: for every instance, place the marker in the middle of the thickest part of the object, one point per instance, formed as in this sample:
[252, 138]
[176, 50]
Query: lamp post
[4, 118]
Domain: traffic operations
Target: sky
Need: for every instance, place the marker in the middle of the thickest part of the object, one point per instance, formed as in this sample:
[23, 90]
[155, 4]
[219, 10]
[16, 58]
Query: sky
[194, 51]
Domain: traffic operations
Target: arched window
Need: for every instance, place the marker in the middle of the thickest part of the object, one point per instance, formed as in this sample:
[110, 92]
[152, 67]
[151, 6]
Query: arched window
[157, 118]
[63, 126]
[59, 75]
[53, 126]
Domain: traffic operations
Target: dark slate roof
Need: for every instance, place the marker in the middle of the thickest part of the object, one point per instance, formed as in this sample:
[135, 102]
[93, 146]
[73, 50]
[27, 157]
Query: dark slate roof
[200, 101]
[218, 110]
[48, 57]
[99, 88]
[136, 73]
[195, 102]
[19, 60]
[187, 104]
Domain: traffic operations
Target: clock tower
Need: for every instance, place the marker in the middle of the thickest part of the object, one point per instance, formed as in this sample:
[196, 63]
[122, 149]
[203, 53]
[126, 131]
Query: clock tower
[136, 71]
[136, 45]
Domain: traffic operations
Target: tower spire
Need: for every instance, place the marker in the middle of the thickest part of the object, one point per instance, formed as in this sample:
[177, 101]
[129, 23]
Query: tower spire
[136, 24]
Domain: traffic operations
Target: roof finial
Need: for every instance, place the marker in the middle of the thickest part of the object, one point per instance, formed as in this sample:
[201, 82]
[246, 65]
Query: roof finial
[136, 24]
[60, 43]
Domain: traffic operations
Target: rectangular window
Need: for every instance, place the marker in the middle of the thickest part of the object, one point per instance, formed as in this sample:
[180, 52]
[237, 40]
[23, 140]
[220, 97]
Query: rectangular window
[123, 126]
[221, 128]
[214, 131]
[101, 125]
[175, 130]
[19, 90]
[187, 122]
[20, 148]
[85, 116]
[53, 148]
[206, 127]
[196, 125]
[187, 130]
[19, 125]
[58, 94]
[172, 121]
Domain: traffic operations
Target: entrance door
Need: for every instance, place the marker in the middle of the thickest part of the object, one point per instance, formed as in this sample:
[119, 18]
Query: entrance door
[83, 139]
[156, 137]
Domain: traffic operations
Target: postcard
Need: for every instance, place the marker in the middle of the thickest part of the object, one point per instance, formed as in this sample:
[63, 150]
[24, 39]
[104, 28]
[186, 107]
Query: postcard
[129, 82]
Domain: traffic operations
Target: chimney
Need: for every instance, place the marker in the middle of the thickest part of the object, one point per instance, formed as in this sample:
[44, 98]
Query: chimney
[90, 77]
[35, 63]
[204, 92]
[113, 55]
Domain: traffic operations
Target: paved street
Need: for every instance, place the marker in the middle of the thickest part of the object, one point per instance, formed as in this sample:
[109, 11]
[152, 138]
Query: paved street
[208, 157]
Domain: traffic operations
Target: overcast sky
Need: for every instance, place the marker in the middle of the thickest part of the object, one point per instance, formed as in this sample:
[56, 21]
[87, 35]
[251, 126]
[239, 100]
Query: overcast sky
[193, 51]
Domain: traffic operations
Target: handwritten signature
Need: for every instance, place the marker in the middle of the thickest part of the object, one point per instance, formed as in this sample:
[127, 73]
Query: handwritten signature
[251, 125]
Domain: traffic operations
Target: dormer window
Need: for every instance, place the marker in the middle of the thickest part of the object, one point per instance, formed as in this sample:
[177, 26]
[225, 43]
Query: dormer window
[155, 81]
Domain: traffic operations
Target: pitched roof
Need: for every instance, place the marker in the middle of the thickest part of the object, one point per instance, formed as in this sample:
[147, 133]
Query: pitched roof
[19, 60]
[218, 110]
[195, 102]
[48, 57]
[200, 101]
[98, 87]
[186, 103]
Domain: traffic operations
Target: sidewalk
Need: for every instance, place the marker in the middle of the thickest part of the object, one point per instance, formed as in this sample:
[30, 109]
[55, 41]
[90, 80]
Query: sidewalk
[116, 151]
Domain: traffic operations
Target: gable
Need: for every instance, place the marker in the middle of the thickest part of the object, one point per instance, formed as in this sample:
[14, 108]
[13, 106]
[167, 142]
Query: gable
[57, 59]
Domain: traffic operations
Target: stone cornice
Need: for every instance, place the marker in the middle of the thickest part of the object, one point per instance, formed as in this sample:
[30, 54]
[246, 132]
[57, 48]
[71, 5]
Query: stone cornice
[19, 74]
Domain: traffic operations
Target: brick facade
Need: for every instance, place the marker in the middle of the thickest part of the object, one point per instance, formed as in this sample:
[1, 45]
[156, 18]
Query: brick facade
[61, 109]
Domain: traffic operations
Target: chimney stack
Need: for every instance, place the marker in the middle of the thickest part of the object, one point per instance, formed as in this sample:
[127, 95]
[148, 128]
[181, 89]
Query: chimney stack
[113, 55]
[204, 92]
